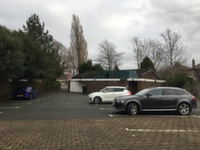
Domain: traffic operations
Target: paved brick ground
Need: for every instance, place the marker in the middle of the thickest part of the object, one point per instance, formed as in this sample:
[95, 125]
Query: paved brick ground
[129, 133]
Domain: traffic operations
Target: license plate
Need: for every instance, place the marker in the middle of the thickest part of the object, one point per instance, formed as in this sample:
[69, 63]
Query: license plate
[19, 95]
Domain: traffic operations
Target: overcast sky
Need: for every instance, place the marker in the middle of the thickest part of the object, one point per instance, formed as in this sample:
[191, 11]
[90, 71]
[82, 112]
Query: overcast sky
[114, 20]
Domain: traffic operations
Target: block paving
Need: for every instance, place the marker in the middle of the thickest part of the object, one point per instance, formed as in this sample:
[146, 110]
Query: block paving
[120, 133]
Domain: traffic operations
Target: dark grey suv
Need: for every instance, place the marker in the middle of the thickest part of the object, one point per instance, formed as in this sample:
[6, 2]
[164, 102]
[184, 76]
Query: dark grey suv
[157, 99]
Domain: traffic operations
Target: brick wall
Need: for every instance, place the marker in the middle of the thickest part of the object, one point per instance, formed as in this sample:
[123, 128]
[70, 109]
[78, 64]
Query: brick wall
[6, 90]
[133, 86]
[93, 86]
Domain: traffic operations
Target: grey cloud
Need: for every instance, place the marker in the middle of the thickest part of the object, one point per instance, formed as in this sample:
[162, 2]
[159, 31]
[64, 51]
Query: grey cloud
[182, 15]
[115, 20]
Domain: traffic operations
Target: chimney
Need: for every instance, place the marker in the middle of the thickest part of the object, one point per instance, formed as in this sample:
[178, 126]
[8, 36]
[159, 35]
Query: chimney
[193, 63]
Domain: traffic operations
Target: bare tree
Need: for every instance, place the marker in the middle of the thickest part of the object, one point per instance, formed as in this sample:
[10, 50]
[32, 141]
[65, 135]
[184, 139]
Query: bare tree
[148, 48]
[139, 50]
[64, 54]
[71, 61]
[78, 45]
[154, 52]
[174, 51]
[108, 57]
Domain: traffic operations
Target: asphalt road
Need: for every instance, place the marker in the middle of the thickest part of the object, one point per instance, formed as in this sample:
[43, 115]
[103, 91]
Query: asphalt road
[63, 105]
[57, 105]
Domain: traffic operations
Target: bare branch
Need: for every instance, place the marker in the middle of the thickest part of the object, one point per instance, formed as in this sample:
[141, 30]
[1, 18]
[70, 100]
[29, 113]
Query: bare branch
[108, 57]
[138, 49]
[78, 45]
[174, 51]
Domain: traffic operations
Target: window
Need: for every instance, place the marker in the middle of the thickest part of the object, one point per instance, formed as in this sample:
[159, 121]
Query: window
[109, 90]
[155, 92]
[169, 92]
[180, 92]
[119, 89]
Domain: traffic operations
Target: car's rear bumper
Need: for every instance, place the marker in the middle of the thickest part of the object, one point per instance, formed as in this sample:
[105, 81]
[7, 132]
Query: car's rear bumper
[194, 107]
[194, 104]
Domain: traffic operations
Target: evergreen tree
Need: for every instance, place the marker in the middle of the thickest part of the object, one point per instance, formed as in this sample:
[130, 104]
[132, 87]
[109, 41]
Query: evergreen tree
[42, 56]
[97, 67]
[88, 66]
[147, 64]
[11, 55]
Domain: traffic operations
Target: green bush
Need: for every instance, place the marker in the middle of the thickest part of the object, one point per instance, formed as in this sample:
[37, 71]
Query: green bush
[178, 80]
[53, 85]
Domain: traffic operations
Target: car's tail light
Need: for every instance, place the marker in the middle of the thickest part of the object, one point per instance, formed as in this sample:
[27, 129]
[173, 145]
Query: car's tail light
[194, 99]
[129, 92]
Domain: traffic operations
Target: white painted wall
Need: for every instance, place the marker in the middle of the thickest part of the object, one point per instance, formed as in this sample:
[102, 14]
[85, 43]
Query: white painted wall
[75, 86]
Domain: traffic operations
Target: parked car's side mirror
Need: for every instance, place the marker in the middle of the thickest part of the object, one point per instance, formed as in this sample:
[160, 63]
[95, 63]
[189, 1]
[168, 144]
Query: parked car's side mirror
[148, 95]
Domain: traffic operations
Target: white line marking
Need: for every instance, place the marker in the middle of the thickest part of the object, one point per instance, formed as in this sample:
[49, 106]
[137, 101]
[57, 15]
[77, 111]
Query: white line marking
[195, 116]
[115, 115]
[110, 115]
[167, 130]
[14, 107]
[165, 116]
[106, 108]
[19, 104]
[1, 112]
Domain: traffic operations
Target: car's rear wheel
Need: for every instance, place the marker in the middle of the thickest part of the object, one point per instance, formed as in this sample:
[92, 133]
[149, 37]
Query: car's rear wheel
[184, 109]
[97, 100]
[132, 109]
